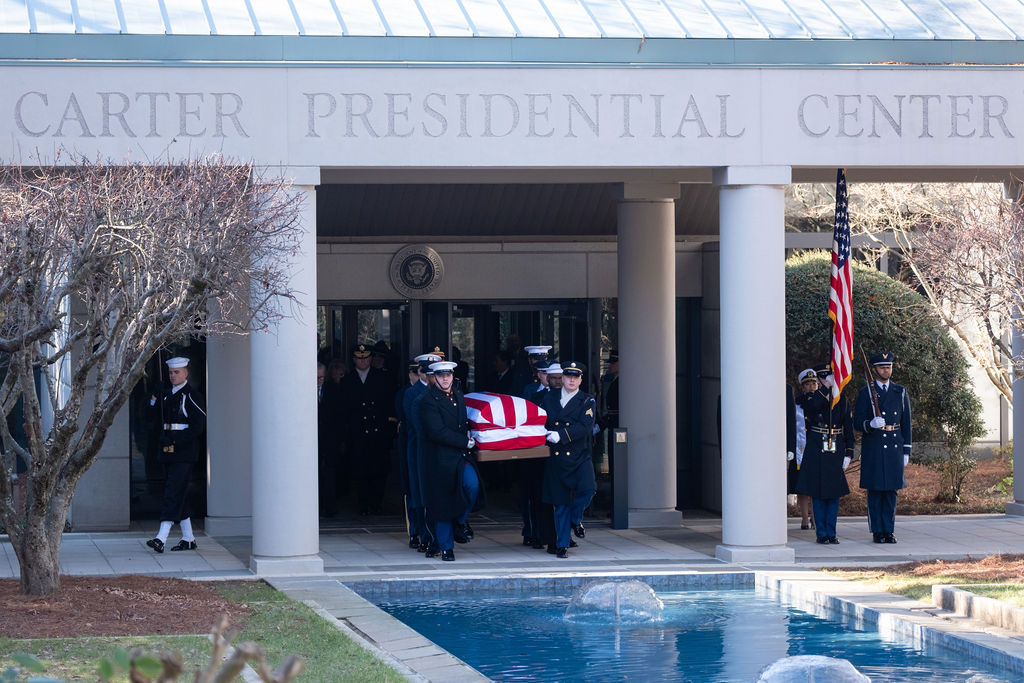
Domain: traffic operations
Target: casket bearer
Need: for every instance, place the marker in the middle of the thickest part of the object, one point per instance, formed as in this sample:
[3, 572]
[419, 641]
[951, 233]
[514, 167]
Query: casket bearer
[537, 356]
[420, 531]
[453, 487]
[569, 481]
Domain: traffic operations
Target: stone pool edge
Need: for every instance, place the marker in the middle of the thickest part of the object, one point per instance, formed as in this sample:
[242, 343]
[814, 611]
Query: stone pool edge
[922, 623]
[420, 659]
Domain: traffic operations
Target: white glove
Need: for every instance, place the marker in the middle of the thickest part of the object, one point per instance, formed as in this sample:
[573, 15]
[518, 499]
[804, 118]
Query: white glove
[789, 456]
[828, 381]
[877, 422]
[471, 443]
[846, 463]
[906, 460]
[553, 437]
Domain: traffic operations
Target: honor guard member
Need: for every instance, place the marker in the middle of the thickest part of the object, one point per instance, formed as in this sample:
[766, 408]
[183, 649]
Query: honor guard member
[535, 356]
[827, 453]
[885, 448]
[453, 486]
[797, 441]
[569, 481]
[420, 532]
[367, 404]
[182, 412]
[412, 370]
[531, 470]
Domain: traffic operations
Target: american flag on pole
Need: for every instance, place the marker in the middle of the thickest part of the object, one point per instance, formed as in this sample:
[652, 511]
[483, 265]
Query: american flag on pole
[840, 304]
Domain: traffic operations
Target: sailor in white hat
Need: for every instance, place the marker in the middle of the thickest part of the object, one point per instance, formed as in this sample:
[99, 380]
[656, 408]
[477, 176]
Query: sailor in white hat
[182, 416]
[451, 481]
[535, 356]
[420, 531]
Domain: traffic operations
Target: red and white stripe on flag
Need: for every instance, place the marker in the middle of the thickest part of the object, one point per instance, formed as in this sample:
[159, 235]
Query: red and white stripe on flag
[840, 304]
[503, 423]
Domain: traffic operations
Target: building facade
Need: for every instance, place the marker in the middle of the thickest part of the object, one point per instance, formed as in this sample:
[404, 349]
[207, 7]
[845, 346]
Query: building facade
[539, 158]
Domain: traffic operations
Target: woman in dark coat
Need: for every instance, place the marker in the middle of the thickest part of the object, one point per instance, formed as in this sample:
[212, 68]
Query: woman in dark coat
[826, 456]
[452, 484]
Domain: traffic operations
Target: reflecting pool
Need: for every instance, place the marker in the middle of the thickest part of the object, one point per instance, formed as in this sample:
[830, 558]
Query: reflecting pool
[713, 635]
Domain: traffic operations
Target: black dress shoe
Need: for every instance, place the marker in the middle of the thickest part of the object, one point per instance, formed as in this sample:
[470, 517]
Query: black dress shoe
[156, 544]
[432, 551]
[579, 530]
[889, 538]
[822, 539]
[551, 548]
[448, 555]
[423, 547]
[562, 553]
[833, 540]
[468, 530]
[805, 527]
[877, 538]
[573, 544]
[538, 544]
[460, 534]
[414, 542]
[527, 541]
[185, 545]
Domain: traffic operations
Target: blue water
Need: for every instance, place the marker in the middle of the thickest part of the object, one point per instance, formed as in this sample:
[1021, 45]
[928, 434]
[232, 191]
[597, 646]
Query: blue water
[723, 635]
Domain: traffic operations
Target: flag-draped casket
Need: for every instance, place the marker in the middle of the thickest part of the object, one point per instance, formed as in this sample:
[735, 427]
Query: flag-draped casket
[506, 427]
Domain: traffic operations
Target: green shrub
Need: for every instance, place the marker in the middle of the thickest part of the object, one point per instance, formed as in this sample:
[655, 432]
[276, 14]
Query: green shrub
[887, 315]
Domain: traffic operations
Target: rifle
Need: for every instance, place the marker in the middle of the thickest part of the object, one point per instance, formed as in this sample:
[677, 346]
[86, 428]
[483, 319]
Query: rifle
[872, 390]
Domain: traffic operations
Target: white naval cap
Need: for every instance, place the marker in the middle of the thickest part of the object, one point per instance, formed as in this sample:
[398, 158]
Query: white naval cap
[427, 358]
[553, 369]
[806, 374]
[177, 362]
[537, 350]
[444, 366]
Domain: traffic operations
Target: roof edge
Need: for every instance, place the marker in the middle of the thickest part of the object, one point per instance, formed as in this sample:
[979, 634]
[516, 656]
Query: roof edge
[222, 50]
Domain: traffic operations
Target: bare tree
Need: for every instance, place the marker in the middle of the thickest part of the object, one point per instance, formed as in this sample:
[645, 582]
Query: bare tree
[959, 245]
[101, 265]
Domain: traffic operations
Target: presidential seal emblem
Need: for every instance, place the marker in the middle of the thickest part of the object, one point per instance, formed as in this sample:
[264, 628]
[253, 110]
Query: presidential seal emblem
[416, 271]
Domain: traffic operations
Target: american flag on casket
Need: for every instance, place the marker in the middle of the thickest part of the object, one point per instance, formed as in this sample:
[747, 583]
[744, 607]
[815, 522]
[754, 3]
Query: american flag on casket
[503, 423]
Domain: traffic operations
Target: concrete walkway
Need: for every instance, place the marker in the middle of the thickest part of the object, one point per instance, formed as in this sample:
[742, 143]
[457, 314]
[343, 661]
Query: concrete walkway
[361, 553]
[358, 555]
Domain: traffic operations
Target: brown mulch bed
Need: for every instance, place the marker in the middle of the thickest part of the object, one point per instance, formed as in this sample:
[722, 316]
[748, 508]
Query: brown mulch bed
[995, 568]
[979, 494]
[129, 605]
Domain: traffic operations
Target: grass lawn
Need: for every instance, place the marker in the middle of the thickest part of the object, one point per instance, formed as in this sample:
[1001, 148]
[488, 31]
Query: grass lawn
[997, 576]
[279, 625]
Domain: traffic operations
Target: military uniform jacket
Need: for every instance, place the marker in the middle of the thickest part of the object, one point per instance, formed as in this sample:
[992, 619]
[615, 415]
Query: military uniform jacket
[366, 407]
[569, 469]
[414, 443]
[821, 472]
[183, 416]
[882, 450]
[444, 432]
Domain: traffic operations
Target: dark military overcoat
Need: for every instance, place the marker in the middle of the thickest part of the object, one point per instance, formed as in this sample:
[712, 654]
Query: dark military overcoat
[569, 470]
[882, 450]
[821, 472]
[443, 432]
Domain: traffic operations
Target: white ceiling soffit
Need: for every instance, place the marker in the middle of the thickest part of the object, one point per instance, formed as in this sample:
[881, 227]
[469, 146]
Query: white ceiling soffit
[781, 19]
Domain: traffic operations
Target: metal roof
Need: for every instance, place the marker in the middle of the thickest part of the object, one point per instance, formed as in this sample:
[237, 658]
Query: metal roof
[967, 20]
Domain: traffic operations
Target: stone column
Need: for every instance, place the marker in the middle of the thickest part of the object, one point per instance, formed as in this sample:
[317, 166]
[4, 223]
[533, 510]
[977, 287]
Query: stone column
[285, 521]
[228, 436]
[647, 348]
[753, 312]
[1013, 190]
